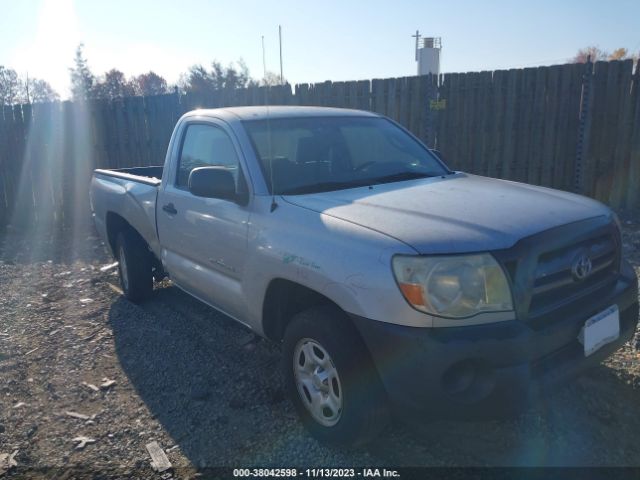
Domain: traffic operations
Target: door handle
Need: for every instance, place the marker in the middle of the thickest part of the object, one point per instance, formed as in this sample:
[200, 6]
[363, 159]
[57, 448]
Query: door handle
[170, 209]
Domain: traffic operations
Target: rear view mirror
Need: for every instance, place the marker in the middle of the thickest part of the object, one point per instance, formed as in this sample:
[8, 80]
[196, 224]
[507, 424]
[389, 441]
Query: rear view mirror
[212, 182]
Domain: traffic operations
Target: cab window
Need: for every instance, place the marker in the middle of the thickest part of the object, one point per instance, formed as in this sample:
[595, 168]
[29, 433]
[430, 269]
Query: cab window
[205, 146]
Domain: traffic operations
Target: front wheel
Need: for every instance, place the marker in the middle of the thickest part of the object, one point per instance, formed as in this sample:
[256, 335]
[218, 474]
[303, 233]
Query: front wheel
[331, 379]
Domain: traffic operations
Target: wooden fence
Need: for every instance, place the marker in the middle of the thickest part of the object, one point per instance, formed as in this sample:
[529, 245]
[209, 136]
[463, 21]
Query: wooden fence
[574, 127]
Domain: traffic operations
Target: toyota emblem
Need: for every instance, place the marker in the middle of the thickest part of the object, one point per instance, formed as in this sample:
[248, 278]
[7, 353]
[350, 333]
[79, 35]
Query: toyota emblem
[582, 267]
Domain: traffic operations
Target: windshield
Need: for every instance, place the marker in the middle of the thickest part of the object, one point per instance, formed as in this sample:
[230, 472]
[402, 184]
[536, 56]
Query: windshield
[314, 154]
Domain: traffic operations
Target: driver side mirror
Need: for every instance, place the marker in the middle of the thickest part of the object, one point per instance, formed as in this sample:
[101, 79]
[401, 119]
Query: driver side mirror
[212, 182]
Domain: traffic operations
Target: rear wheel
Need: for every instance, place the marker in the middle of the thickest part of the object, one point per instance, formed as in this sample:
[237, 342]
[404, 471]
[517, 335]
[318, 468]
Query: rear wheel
[134, 266]
[331, 379]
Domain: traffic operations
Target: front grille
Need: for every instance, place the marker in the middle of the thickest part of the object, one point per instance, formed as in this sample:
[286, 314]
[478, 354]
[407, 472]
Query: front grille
[554, 282]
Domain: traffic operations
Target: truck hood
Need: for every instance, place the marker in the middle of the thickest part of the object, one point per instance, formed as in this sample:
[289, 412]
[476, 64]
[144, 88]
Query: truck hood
[455, 214]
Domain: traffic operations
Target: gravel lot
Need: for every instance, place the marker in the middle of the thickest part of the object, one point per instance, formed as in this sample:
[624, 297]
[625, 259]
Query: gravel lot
[209, 392]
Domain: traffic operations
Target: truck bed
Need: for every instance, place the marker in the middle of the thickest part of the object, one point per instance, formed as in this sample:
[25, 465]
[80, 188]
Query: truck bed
[127, 194]
[148, 175]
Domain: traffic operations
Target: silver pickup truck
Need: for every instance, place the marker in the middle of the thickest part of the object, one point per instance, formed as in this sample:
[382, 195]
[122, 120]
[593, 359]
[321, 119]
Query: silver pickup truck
[392, 283]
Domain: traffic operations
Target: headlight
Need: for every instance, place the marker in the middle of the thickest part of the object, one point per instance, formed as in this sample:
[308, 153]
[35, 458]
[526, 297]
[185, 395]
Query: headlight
[453, 286]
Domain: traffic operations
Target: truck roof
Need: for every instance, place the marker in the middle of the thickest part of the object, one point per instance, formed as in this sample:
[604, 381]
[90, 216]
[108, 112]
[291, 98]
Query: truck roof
[278, 111]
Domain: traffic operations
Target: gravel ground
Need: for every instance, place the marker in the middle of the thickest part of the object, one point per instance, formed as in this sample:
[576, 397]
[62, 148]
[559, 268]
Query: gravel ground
[78, 360]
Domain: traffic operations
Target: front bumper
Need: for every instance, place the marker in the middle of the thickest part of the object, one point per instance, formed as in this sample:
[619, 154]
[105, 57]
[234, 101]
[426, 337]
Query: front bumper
[492, 369]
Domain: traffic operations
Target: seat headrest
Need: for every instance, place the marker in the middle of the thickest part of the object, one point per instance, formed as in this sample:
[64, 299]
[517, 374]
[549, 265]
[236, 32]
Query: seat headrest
[312, 149]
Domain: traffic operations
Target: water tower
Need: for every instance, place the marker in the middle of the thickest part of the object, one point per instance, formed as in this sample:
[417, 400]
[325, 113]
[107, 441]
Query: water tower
[428, 50]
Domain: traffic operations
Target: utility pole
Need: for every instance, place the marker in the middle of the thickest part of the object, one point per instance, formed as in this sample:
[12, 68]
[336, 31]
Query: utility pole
[280, 35]
[264, 62]
[417, 37]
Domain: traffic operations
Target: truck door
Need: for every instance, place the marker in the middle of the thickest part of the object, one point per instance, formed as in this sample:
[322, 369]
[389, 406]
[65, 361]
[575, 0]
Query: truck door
[204, 240]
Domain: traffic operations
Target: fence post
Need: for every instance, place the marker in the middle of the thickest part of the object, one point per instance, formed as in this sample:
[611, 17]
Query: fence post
[584, 125]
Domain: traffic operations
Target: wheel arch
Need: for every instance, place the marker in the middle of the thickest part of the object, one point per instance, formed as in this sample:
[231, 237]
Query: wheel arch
[285, 298]
[115, 224]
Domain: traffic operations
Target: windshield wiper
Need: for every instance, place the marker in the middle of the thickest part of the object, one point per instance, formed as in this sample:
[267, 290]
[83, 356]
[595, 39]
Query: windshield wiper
[361, 182]
[399, 177]
[325, 187]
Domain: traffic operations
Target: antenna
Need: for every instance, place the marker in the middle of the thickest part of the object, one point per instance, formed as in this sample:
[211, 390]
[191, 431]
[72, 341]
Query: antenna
[274, 205]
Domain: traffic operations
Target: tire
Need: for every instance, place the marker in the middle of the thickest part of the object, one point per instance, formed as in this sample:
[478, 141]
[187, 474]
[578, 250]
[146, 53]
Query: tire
[355, 410]
[134, 266]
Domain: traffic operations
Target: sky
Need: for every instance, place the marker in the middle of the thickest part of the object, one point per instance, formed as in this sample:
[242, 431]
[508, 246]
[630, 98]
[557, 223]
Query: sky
[322, 40]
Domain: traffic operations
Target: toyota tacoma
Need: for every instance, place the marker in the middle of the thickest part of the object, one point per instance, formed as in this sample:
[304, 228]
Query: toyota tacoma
[392, 283]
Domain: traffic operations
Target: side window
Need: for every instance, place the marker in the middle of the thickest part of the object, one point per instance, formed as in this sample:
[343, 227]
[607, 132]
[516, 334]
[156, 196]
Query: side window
[205, 146]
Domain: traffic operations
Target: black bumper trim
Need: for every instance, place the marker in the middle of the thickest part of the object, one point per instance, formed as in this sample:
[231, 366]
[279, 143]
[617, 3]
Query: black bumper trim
[491, 369]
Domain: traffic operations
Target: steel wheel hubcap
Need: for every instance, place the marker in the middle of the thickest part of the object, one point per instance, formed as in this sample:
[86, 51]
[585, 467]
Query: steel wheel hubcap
[124, 274]
[318, 382]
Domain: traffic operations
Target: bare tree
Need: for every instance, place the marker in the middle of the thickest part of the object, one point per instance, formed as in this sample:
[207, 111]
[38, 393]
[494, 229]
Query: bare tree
[271, 79]
[620, 54]
[39, 91]
[10, 86]
[15, 90]
[113, 85]
[593, 53]
[597, 54]
[149, 84]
